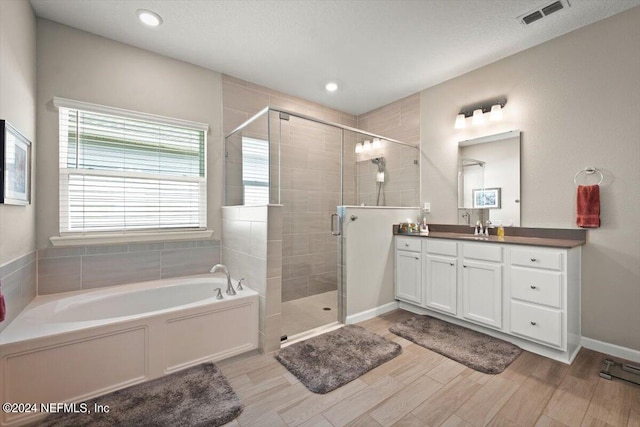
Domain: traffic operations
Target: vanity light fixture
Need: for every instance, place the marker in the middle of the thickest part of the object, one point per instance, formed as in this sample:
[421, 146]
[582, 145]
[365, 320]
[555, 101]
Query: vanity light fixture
[149, 18]
[366, 146]
[377, 144]
[477, 117]
[476, 111]
[496, 113]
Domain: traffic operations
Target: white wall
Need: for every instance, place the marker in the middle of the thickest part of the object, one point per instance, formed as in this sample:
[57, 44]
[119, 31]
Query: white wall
[369, 252]
[17, 106]
[576, 100]
[82, 66]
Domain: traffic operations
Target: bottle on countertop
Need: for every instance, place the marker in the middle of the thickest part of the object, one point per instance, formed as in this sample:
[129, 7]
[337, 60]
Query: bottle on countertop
[500, 231]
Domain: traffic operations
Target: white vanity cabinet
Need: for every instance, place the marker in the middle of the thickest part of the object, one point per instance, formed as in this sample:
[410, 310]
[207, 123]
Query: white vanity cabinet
[482, 266]
[408, 269]
[538, 301]
[440, 275]
[526, 294]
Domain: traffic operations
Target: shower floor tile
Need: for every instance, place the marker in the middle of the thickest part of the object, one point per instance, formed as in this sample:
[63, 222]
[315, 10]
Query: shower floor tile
[307, 313]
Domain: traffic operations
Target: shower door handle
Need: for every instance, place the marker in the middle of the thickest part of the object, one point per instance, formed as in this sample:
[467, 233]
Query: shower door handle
[336, 231]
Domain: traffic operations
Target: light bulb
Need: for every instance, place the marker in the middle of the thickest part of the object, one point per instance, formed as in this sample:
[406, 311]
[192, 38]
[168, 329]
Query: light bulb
[377, 144]
[477, 117]
[366, 146]
[358, 148]
[460, 122]
[496, 113]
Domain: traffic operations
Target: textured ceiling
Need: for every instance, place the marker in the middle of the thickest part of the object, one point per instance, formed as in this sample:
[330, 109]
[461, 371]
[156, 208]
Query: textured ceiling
[377, 51]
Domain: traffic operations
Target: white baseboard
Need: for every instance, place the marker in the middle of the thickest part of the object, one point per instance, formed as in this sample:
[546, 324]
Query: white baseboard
[370, 314]
[611, 349]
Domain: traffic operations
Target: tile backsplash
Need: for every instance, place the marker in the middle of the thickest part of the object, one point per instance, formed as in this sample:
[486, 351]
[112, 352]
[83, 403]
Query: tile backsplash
[87, 267]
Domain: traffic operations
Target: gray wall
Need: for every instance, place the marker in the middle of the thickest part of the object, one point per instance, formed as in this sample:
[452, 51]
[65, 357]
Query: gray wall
[576, 100]
[78, 65]
[17, 106]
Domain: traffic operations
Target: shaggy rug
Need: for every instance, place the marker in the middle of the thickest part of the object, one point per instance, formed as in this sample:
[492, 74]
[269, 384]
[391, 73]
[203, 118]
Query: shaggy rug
[473, 349]
[198, 396]
[331, 360]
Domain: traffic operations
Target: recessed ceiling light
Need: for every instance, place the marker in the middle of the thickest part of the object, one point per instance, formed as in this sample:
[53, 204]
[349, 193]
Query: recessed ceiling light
[331, 86]
[149, 18]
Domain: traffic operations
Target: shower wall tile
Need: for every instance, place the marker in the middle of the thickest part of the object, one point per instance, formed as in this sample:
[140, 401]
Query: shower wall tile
[258, 240]
[274, 258]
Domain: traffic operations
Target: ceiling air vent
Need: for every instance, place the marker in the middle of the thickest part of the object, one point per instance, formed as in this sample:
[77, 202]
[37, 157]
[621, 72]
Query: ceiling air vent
[542, 12]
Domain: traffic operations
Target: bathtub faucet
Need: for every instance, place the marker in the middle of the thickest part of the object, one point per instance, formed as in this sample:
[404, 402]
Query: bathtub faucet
[223, 269]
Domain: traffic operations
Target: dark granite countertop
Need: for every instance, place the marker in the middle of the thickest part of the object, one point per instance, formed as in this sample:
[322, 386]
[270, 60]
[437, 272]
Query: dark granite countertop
[549, 237]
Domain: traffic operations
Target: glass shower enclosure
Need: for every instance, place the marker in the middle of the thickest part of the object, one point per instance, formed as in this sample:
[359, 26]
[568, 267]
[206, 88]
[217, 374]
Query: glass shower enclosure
[311, 167]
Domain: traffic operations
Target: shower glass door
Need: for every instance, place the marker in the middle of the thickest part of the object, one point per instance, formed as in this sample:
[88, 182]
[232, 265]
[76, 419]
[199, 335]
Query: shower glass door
[310, 191]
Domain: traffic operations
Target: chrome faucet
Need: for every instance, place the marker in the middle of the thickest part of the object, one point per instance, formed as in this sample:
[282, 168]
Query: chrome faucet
[223, 269]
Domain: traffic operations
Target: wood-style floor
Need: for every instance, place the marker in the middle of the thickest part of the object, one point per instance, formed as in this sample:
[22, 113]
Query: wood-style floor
[423, 388]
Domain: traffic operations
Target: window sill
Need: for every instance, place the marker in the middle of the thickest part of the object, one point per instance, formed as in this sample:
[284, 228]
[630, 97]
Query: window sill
[102, 239]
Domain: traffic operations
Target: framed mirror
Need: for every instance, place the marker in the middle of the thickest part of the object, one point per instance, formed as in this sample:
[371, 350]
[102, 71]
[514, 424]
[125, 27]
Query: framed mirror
[489, 179]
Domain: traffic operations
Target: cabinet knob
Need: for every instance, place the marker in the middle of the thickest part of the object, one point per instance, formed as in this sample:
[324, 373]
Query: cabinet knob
[464, 266]
[406, 244]
[533, 286]
[417, 257]
[533, 259]
[533, 323]
[451, 264]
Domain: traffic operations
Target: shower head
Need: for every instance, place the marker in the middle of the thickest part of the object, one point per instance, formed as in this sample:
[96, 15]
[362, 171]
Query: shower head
[380, 162]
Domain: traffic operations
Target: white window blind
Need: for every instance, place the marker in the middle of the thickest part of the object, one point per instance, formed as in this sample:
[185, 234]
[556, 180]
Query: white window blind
[122, 172]
[255, 171]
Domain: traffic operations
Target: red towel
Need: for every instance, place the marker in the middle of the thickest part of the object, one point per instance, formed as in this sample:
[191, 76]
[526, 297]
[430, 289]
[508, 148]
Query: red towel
[588, 206]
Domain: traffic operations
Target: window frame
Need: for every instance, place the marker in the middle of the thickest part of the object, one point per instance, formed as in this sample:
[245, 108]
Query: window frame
[67, 237]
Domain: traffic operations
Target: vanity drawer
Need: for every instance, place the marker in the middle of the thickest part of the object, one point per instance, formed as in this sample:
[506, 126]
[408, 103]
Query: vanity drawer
[409, 243]
[549, 259]
[482, 251]
[537, 286]
[539, 323]
[441, 247]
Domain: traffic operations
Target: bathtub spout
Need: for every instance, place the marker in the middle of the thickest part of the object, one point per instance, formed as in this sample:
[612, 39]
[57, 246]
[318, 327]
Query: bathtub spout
[223, 269]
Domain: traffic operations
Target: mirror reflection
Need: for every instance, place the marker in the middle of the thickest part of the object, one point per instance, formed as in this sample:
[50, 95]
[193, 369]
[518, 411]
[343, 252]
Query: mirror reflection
[489, 179]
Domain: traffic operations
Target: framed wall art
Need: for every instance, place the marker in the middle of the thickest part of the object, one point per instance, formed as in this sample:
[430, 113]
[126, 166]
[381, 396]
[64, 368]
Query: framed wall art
[15, 166]
[486, 198]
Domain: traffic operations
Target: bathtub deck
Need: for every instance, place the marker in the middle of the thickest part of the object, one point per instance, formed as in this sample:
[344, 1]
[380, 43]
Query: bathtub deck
[420, 388]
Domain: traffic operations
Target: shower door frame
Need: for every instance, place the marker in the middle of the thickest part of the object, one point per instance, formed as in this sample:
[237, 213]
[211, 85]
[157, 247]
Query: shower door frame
[284, 112]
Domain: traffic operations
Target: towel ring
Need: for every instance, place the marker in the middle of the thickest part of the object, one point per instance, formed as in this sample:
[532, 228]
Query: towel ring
[588, 171]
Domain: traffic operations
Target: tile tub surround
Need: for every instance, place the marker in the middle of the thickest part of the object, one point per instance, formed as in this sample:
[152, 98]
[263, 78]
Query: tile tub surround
[252, 248]
[18, 279]
[87, 267]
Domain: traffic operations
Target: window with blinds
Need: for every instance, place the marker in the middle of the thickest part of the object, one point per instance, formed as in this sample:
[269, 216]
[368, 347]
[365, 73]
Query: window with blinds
[126, 173]
[255, 171]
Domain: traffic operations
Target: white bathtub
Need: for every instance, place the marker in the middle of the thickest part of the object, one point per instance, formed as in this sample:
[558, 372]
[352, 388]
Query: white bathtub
[74, 346]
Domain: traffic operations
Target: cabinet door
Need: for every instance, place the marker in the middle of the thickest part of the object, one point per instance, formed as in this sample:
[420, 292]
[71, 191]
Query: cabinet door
[408, 276]
[482, 293]
[441, 281]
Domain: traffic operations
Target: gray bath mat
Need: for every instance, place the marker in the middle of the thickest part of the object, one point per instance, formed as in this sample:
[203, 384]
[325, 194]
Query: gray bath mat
[331, 360]
[473, 349]
[198, 396]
